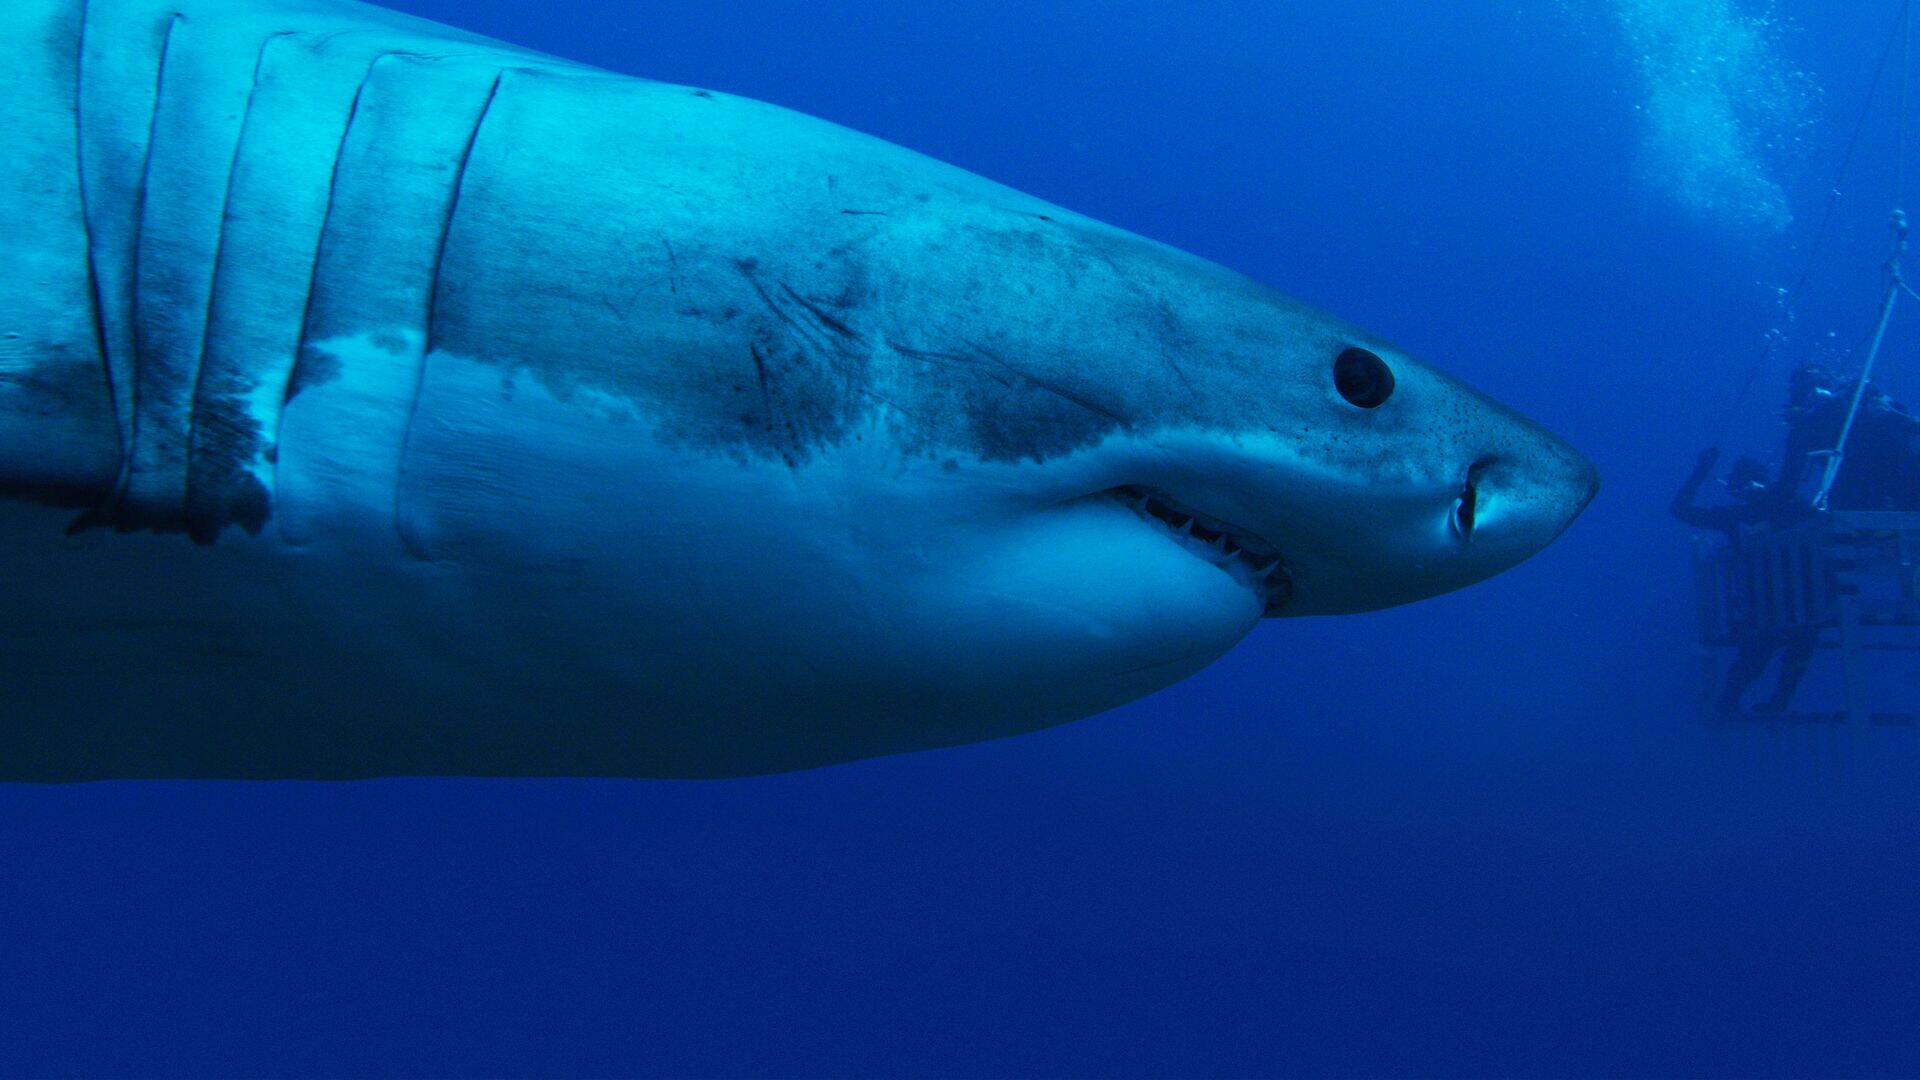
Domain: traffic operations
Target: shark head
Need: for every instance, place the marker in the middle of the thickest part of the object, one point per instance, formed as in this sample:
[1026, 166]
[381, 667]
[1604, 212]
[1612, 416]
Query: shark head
[1106, 461]
[1210, 451]
[882, 456]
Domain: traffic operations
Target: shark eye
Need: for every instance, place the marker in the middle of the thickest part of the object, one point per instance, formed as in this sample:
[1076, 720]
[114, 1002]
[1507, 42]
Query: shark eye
[1362, 378]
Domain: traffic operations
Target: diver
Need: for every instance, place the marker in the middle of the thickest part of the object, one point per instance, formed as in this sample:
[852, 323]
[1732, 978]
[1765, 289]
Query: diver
[1755, 504]
[1881, 464]
[1754, 500]
[1814, 413]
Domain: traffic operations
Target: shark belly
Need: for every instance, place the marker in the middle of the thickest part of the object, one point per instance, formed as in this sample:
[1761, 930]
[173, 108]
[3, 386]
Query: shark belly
[488, 640]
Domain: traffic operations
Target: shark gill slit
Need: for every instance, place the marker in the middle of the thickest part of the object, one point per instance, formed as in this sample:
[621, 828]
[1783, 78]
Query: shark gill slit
[95, 298]
[124, 516]
[196, 405]
[415, 544]
[304, 338]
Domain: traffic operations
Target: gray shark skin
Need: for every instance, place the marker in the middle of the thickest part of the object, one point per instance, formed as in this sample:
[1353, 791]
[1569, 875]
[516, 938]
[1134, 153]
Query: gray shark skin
[377, 400]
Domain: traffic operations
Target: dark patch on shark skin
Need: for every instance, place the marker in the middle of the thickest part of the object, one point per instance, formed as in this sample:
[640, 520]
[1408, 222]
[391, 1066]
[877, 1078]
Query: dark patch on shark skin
[316, 367]
[50, 384]
[244, 502]
[221, 490]
[818, 373]
[809, 398]
[1010, 415]
[167, 347]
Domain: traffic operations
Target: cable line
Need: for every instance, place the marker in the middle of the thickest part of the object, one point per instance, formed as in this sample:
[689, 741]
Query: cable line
[1837, 457]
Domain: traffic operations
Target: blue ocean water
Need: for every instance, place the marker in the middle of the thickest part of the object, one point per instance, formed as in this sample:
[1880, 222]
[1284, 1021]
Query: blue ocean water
[1487, 834]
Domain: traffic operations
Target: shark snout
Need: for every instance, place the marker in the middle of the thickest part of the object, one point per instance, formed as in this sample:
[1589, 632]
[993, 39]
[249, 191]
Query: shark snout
[1516, 500]
[1426, 518]
[1371, 543]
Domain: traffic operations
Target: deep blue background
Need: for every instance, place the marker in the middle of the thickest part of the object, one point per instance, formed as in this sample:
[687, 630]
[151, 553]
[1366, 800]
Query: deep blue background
[1486, 834]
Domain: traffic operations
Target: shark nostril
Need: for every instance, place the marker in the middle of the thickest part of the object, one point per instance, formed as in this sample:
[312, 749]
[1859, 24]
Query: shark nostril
[1466, 508]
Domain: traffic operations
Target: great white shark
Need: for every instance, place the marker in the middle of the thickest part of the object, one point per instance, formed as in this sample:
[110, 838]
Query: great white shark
[379, 399]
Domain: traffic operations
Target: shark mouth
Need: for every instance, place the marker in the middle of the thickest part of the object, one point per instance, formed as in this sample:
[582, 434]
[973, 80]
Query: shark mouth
[1243, 555]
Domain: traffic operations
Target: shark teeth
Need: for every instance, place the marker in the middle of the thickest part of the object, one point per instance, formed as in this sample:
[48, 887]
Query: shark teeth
[1222, 544]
